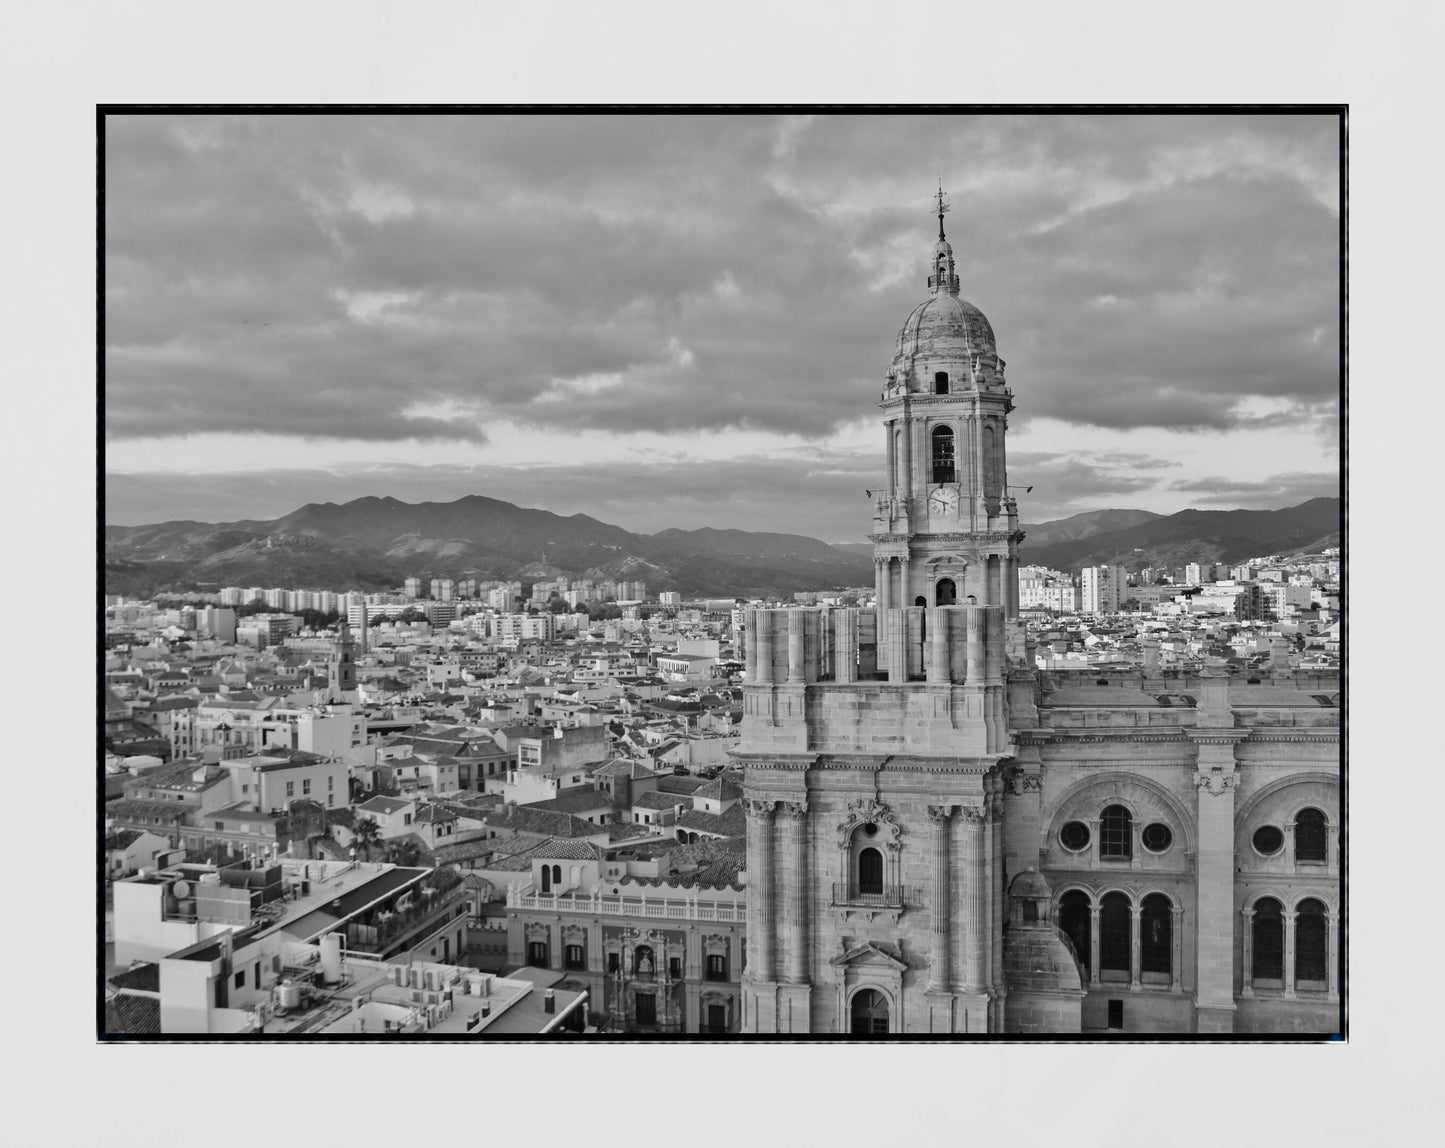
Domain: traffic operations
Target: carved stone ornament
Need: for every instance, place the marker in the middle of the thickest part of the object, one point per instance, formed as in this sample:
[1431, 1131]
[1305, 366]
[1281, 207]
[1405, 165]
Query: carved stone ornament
[1216, 781]
[714, 941]
[759, 809]
[864, 811]
[794, 810]
[971, 815]
[940, 815]
[538, 931]
[574, 934]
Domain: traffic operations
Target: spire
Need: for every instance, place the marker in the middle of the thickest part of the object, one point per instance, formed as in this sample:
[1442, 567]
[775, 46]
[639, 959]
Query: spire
[942, 276]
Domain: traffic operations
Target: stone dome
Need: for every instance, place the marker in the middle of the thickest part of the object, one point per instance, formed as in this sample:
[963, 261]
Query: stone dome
[1029, 883]
[946, 326]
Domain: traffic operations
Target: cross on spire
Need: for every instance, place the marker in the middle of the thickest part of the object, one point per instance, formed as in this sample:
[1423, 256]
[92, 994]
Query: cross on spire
[942, 208]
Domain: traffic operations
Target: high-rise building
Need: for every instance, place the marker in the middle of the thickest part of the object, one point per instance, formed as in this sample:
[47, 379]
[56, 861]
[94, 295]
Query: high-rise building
[670, 598]
[412, 587]
[1100, 588]
[1193, 574]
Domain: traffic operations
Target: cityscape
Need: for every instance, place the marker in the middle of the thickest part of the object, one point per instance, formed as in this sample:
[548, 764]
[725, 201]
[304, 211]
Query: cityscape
[457, 768]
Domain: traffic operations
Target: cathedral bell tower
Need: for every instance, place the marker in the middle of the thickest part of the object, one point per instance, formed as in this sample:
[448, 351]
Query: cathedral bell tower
[945, 530]
[875, 741]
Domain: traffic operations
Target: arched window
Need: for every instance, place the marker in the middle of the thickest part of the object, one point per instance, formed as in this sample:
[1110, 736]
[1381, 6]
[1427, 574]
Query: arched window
[1309, 835]
[1156, 941]
[546, 879]
[943, 455]
[940, 382]
[870, 872]
[946, 593]
[1268, 941]
[1116, 833]
[557, 874]
[1075, 921]
[869, 1014]
[1115, 921]
[1309, 942]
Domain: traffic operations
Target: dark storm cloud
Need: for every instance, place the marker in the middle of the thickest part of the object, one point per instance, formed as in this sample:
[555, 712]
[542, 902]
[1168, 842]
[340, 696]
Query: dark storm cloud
[327, 275]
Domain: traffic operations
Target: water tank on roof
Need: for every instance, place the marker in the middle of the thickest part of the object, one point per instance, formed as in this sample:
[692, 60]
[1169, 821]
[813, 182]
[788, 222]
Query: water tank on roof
[288, 996]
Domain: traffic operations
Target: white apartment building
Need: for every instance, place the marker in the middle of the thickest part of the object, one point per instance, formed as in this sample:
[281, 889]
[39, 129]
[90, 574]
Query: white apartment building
[1101, 588]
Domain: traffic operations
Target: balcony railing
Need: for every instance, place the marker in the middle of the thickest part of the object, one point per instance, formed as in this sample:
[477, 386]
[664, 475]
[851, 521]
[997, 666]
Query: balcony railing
[662, 908]
[876, 897]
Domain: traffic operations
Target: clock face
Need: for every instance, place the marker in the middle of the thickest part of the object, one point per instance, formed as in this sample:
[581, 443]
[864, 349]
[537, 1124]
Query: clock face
[943, 501]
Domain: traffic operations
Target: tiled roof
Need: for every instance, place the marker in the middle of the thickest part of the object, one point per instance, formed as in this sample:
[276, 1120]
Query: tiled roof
[580, 802]
[720, 789]
[130, 1015]
[383, 805]
[524, 819]
[658, 801]
[128, 807]
[121, 838]
[435, 814]
[557, 849]
[685, 786]
[145, 976]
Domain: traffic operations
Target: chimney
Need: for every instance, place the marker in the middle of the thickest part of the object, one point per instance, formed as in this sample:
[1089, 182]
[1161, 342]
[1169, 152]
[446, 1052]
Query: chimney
[549, 1001]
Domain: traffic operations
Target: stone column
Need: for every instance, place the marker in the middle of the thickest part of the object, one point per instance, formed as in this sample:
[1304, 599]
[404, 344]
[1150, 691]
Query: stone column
[1176, 949]
[796, 623]
[889, 431]
[765, 646]
[996, 887]
[940, 974]
[846, 646]
[1332, 954]
[937, 645]
[1136, 914]
[885, 605]
[993, 579]
[907, 427]
[761, 918]
[973, 650]
[1289, 845]
[1214, 920]
[1093, 843]
[973, 906]
[1095, 915]
[1247, 947]
[905, 599]
[1289, 919]
[750, 640]
[795, 887]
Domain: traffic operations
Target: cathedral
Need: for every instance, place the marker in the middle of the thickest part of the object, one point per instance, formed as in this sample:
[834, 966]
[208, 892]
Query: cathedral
[943, 839]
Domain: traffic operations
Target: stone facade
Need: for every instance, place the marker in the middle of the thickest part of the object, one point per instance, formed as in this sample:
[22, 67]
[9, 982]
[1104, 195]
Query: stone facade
[907, 767]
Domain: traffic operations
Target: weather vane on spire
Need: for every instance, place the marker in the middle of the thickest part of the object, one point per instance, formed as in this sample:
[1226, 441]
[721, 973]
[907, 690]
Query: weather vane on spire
[942, 207]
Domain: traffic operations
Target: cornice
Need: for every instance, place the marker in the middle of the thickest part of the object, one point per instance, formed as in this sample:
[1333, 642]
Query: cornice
[1215, 736]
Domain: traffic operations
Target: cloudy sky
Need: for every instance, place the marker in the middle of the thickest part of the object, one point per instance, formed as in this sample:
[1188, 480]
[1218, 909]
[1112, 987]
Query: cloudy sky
[684, 321]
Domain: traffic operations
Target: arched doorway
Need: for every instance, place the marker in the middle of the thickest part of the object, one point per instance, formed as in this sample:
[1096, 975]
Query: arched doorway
[869, 1014]
[946, 593]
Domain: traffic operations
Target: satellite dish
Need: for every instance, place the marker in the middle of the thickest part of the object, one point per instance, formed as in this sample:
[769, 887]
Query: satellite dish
[181, 889]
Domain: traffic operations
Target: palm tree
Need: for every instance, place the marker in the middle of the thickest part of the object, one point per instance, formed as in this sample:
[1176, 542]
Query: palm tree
[366, 832]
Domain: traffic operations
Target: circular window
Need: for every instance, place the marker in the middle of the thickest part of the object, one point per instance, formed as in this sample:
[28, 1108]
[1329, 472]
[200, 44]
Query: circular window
[1074, 835]
[1268, 839]
[871, 829]
[1156, 837]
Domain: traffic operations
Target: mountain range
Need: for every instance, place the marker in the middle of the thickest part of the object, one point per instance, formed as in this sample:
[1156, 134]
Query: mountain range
[374, 543]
